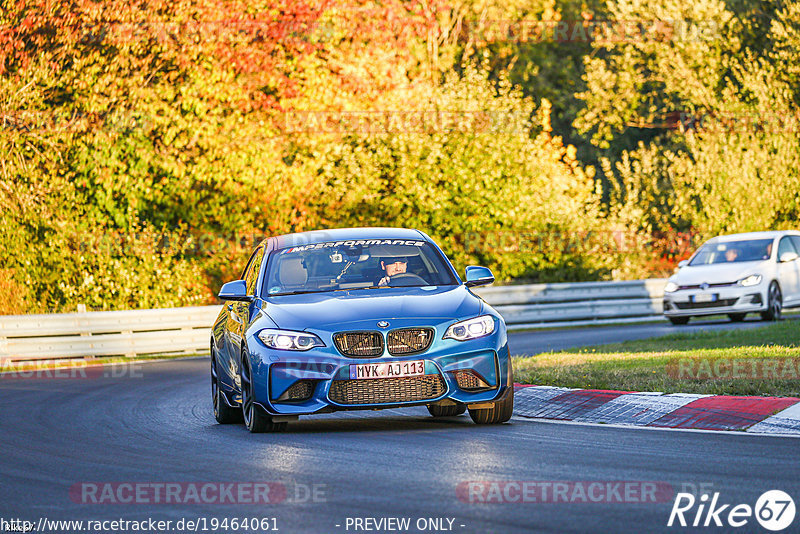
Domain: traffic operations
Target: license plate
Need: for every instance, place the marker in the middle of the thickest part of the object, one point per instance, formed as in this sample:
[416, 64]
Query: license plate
[705, 297]
[387, 370]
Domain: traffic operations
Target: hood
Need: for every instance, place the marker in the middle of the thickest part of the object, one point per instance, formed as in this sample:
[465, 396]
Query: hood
[717, 273]
[362, 308]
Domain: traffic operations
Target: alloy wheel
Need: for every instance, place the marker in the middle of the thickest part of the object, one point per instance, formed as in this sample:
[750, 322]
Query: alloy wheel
[776, 301]
[214, 385]
[247, 397]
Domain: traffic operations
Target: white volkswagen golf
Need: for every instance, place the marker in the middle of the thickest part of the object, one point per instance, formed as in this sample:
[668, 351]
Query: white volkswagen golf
[735, 275]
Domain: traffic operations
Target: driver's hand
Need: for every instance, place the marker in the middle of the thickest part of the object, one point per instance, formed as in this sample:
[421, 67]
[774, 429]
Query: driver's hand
[384, 281]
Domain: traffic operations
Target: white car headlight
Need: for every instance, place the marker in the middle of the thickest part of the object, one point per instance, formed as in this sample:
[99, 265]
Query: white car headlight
[671, 287]
[289, 340]
[752, 280]
[471, 328]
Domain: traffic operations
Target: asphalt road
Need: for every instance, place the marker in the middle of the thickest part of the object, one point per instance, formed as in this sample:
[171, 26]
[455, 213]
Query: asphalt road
[535, 341]
[154, 425]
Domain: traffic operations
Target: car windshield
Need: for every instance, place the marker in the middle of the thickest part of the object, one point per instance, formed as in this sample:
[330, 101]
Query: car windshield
[733, 252]
[356, 264]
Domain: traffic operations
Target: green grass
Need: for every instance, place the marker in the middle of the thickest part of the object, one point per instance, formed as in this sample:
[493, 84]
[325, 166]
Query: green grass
[789, 314]
[660, 364]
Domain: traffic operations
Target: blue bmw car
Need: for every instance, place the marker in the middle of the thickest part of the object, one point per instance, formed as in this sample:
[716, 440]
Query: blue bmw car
[352, 319]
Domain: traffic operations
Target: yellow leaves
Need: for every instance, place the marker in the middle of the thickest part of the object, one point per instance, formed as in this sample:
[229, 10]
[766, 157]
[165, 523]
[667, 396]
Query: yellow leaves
[15, 295]
[543, 115]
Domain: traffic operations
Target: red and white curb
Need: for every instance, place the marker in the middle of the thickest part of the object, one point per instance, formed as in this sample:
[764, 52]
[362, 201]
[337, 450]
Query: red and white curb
[765, 415]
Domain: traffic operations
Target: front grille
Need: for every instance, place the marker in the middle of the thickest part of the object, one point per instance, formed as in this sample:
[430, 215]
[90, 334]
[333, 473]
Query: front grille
[386, 390]
[694, 305]
[409, 340]
[359, 344]
[718, 284]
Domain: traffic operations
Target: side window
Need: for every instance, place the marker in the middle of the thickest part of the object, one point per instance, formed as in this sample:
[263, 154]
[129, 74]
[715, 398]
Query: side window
[253, 267]
[796, 240]
[785, 246]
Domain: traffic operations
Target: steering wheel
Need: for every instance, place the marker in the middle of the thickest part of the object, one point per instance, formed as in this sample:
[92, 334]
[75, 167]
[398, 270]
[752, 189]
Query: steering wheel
[407, 279]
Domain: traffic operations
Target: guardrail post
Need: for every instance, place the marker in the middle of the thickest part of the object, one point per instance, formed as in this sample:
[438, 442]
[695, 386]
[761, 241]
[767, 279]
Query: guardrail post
[188, 350]
[82, 309]
[132, 352]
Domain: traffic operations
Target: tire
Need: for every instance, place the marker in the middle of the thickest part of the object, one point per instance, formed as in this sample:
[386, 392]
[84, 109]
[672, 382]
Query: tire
[737, 317]
[255, 419]
[774, 303]
[223, 413]
[501, 411]
[447, 411]
[679, 320]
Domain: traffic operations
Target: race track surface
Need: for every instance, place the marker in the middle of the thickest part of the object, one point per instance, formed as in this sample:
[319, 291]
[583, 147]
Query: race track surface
[154, 425]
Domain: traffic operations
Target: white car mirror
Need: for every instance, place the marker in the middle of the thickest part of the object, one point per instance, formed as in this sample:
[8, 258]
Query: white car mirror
[788, 256]
[683, 263]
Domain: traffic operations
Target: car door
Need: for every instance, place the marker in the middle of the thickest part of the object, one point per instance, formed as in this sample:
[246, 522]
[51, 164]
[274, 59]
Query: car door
[789, 272]
[795, 239]
[236, 312]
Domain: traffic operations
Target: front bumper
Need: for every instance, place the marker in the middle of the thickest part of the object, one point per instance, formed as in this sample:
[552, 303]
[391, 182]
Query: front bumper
[733, 299]
[331, 388]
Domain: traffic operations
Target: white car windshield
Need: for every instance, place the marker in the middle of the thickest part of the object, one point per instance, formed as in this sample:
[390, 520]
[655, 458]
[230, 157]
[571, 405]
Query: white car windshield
[733, 252]
[356, 264]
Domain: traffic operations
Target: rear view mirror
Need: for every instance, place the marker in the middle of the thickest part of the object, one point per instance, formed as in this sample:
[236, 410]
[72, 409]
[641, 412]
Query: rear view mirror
[236, 290]
[683, 263]
[478, 276]
[788, 256]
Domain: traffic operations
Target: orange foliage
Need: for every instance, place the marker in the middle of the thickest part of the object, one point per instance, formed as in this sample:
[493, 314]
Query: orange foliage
[260, 41]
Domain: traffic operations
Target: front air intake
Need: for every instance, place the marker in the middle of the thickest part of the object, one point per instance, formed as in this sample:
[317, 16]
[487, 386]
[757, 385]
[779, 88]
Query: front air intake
[469, 380]
[300, 391]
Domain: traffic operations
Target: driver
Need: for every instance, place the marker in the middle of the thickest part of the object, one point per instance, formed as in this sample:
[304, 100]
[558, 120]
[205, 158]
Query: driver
[731, 254]
[392, 267]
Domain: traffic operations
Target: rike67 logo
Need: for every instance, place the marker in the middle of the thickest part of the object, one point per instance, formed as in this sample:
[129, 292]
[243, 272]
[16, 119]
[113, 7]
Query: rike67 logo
[774, 510]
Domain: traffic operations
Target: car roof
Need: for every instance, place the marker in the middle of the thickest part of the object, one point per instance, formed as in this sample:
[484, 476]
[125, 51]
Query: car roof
[347, 234]
[753, 235]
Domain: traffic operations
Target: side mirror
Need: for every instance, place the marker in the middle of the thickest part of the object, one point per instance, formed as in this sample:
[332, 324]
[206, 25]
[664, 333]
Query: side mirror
[478, 276]
[236, 290]
[788, 256]
[683, 263]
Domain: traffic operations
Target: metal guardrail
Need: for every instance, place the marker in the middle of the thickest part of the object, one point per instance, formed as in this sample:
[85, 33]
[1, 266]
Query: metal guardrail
[110, 333]
[187, 330]
[537, 305]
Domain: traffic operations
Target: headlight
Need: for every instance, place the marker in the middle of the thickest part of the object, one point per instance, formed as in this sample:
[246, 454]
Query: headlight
[671, 287]
[288, 340]
[752, 280]
[471, 328]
